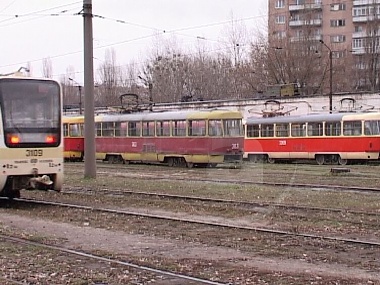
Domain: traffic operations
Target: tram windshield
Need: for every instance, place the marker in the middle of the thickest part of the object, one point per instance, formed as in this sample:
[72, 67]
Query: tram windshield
[31, 112]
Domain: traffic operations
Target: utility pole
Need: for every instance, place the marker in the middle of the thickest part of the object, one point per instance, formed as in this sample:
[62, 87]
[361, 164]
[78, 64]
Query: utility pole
[89, 110]
[331, 73]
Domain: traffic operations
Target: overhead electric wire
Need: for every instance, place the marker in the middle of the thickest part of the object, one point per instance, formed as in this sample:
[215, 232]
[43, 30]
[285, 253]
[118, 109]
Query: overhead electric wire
[163, 31]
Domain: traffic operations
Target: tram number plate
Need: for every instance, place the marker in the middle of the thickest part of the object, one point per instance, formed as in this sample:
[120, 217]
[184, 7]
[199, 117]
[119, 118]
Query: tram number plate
[282, 142]
[34, 152]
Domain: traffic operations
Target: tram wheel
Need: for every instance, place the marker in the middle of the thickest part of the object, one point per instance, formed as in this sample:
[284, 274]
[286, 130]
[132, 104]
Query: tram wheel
[170, 161]
[320, 159]
[254, 158]
[342, 161]
[271, 160]
[182, 162]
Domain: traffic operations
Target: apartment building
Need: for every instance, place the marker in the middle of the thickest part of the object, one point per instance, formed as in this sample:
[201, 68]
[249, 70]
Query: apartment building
[348, 29]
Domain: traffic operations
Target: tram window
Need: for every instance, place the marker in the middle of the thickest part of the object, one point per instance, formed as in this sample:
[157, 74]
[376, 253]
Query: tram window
[282, 130]
[267, 130]
[298, 130]
[65, 130]
[372, 128]
[98, 129]
[179, 128]
[148, 129]
[253, 131]
[121, 129]
[134, 129]
[197, 128]
[163, 128]
[232, 127]
[332, 129]
[107, 129]
[352, 128]
[215, 128]
[315, 129]
[75, 130]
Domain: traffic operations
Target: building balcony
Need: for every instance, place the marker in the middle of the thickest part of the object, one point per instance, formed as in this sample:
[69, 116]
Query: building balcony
[362, 19]
[310, 38]
[306, 7]
[365, 2]
[357, 35]
[358, 50]
[299, 23]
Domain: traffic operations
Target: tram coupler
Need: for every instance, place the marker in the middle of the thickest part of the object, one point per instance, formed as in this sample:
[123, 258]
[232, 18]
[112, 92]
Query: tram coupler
[41, 183]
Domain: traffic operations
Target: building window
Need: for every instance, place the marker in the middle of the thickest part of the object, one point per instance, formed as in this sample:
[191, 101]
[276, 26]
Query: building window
[358, 43]
[280, 34]
[358, 29]
[339, 54]
[337, 23]
[338, 39]
[280, 19]
[280, 4]
[338, 7]
[357, 12]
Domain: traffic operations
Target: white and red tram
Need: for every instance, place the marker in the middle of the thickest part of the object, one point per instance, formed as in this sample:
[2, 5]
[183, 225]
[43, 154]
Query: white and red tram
[177, 138]
[326, 138]
[31, 144]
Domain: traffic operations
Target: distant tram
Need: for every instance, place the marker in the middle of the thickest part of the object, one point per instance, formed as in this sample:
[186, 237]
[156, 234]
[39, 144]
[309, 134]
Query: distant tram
[202, 138]
[31, 144]
[326, 138]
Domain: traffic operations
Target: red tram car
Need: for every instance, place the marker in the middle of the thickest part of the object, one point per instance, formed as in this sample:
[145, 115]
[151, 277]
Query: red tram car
[176, 138]
[326, 138]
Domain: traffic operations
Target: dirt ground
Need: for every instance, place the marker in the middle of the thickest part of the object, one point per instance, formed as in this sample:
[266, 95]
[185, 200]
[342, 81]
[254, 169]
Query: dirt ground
[89, 239]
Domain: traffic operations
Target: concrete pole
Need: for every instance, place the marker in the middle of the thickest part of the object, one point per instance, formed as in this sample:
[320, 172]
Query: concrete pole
[331, 74]
[331, 80]
[89, 120]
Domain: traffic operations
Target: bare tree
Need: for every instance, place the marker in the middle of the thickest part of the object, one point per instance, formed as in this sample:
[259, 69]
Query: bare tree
[70, 89]
[47, 68]
[109, 72]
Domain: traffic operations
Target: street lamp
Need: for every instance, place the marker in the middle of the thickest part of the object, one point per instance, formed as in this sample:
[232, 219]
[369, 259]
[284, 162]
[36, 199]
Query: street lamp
[330, 57]
[80, 94]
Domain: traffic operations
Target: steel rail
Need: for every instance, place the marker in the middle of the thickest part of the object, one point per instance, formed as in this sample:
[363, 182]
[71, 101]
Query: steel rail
[111, 260]
[227, 201]
[198, 222]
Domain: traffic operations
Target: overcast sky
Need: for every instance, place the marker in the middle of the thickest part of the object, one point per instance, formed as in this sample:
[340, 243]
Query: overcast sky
[31, 30]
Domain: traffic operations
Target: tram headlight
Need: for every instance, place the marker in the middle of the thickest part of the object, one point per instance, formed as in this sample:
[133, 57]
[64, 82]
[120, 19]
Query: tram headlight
[13, 139]
[51, 139]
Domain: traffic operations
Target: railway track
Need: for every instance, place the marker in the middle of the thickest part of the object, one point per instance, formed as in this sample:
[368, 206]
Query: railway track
[170, 277]
[227, 202]
[356, 242]
[335, 183]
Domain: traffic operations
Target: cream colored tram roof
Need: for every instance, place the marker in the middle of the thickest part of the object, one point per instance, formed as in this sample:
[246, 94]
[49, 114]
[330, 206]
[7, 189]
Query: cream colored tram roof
[73, 119]
[315, 118]
[173, 115]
